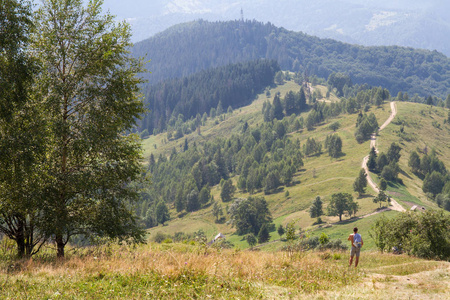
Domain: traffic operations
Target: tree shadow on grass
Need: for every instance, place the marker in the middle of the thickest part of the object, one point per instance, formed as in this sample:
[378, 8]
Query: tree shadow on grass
[405, 174]
[364, 196]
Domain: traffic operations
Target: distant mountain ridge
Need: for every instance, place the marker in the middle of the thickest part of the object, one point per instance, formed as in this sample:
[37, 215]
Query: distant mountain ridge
[412, 23]
[187, 48]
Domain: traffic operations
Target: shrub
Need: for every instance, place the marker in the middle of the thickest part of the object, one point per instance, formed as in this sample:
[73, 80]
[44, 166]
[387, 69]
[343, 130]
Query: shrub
[159, 237]
[425, 235]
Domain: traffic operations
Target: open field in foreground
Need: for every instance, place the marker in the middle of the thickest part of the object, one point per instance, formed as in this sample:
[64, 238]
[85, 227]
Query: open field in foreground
[191, 271]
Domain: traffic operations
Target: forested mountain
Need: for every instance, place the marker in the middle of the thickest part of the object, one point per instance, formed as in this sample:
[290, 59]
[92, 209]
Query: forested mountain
[228, 86]
[213, 44]
[411, 23]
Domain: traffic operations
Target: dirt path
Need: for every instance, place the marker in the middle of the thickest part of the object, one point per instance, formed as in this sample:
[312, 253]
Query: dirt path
[373, 139]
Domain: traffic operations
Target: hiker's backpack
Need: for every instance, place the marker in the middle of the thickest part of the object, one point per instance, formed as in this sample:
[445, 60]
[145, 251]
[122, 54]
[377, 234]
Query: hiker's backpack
[357, 240]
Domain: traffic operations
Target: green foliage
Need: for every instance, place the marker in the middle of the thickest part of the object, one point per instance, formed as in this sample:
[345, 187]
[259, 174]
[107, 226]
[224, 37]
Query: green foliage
[341, 203]
[192, 201]
[272, 182]
[251, 239]
[433, 183]
[312, 147]
[334, 126]
[23, 143]
[382, 197]
[383, 184]
[88, 97]
[249, 215]
[290, 231]
[215, 44]
[360, 183]
[217, 210]
[227, 191]
[334, 145]
[372, 161]
[339, 81]
[205, 195]
[315, 211]
[280, 230]
[204, 92]
[263, 234]
[393, 154]
[162, 213]
[422, 234]
[414, 161]
[390, 172]
[366, 125]
[323, 239]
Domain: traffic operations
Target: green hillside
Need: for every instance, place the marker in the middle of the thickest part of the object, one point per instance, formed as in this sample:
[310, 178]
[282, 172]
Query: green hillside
[321, 175]
[213, 44]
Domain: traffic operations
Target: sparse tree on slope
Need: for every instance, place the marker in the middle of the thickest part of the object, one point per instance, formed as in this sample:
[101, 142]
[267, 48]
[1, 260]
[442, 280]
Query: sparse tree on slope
[360, 183]
[339, 204]
[315, 211]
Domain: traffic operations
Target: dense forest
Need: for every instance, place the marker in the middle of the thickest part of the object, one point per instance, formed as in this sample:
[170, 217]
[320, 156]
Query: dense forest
[214, 44]
[233, 86]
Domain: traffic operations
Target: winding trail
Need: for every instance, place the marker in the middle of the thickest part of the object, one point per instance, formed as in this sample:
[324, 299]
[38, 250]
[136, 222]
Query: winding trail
[373, 138]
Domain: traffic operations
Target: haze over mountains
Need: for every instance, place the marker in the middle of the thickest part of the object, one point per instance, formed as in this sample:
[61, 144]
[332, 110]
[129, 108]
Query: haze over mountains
[414, 23]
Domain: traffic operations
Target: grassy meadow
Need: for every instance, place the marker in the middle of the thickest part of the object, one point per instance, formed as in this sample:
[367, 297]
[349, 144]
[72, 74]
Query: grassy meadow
[191, 271]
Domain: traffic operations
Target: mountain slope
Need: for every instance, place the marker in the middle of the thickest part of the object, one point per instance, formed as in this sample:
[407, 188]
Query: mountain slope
[412, 23]
[219, 43]
[416, 126]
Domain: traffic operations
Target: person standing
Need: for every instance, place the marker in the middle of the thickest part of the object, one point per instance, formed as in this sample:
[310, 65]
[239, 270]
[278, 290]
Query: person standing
[357, 242]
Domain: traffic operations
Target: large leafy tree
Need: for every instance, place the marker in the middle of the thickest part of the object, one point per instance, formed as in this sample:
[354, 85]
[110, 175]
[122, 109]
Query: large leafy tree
[249, 215]
[89, 87]
[339, 204]
[22, 143]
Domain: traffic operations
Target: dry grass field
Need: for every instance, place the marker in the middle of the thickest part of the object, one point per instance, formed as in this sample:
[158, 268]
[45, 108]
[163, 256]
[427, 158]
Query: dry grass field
[192, 271]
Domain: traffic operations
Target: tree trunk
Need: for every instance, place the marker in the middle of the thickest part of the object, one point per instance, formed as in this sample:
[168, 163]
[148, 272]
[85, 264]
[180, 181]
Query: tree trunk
[60, 246]
[20, 240]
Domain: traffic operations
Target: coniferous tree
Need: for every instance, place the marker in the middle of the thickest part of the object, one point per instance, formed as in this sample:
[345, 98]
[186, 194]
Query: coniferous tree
[382, 161]
[316, 210]
[277, 108]
[251, 239]
[360, 183]
[162, 213]
[393, 154]
[192, 201]
[280, 230]
[228, 190]
[205, 195]
[372, 161]
[180, 203]
[263, 235]
[414, 161]
[217, 210]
